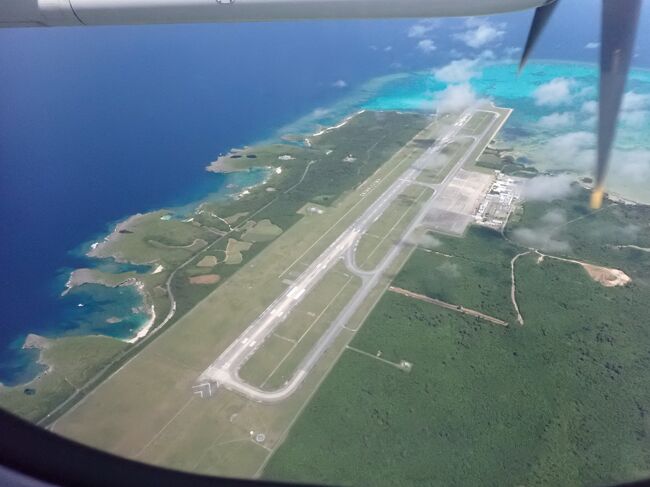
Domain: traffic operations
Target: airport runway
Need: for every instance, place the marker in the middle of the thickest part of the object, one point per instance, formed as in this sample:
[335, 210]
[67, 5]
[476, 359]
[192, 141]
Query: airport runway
[223, 372]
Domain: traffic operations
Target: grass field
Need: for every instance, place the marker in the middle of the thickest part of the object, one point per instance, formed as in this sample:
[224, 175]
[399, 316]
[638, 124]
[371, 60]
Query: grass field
[314, 173]
[159, 419]
[75, 359]
[146, 409]
[562, 400]
[390, 227]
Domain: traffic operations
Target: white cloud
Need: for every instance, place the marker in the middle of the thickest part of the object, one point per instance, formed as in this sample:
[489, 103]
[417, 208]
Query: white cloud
[587, 92]
[456, 98]
[426, 46]
[340, 83]
[418, 30]
[512, 52]
[555, 92]
[634, 109]
[426, 240]
[635, 101]
[555, 216]
[635, 118]
[480, 32]
[458, 71]
[557, 120]
[471, 22]
[544, 236]
[592, 45]
[540, 238]
[421, 28]
[574, 150]
[632, 164]
[590, 107]
[320, 112]
[547, 188]
[449, 269]
[455, 54]
[388, 48]
[487, 55]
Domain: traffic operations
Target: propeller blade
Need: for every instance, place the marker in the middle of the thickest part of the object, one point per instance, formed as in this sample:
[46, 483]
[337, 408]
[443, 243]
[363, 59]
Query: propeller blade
[542, 14]
[619, 25]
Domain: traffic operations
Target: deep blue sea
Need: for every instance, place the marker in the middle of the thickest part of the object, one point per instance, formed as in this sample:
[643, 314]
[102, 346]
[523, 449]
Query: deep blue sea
[100, 123]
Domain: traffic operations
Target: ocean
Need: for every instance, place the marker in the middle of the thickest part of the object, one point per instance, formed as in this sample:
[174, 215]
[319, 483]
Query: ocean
[98, 124]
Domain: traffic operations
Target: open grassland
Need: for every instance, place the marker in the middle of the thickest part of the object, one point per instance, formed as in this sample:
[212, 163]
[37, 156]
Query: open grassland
[389, 228]
[563, 400]
[278, 357]
[72, 361]
[316, 173]
[446, 159]
[146, 410]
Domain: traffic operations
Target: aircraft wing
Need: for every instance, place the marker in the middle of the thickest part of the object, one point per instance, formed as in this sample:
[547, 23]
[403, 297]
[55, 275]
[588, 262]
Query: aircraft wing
[26, 13]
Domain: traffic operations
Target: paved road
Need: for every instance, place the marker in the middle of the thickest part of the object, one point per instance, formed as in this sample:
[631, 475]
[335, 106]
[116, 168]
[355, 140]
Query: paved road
[223, 372]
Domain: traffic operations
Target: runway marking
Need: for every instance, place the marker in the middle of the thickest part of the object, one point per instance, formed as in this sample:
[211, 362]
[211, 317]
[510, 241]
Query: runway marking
[344, 240]
[382, 179]
[157, 435]
[205, 452]
[283, 434]
[331, 365]
[297, 342]
[290, 340]
[390, 231]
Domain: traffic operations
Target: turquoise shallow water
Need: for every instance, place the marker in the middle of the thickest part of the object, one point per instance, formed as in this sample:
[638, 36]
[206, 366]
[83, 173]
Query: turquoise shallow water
[402, 91]
[566, 147]
[405, 91]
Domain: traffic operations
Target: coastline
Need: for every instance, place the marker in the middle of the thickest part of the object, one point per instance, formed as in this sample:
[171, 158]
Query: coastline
[87, 275]
[98, 249]
[101, 249]
[40, 343]
[352, 102]
[144, 329]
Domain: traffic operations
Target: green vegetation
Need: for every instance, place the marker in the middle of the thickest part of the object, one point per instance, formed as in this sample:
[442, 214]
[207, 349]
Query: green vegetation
[234, 251]
[160, 420]
[73, 360]
[237, 229]
[562, 400]
[473, 271]
[501, 160]
[594, 237]
[260, 366]
[444, 161]
[475, 124]
[261, 232]
[390, 226]
[208, 261]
